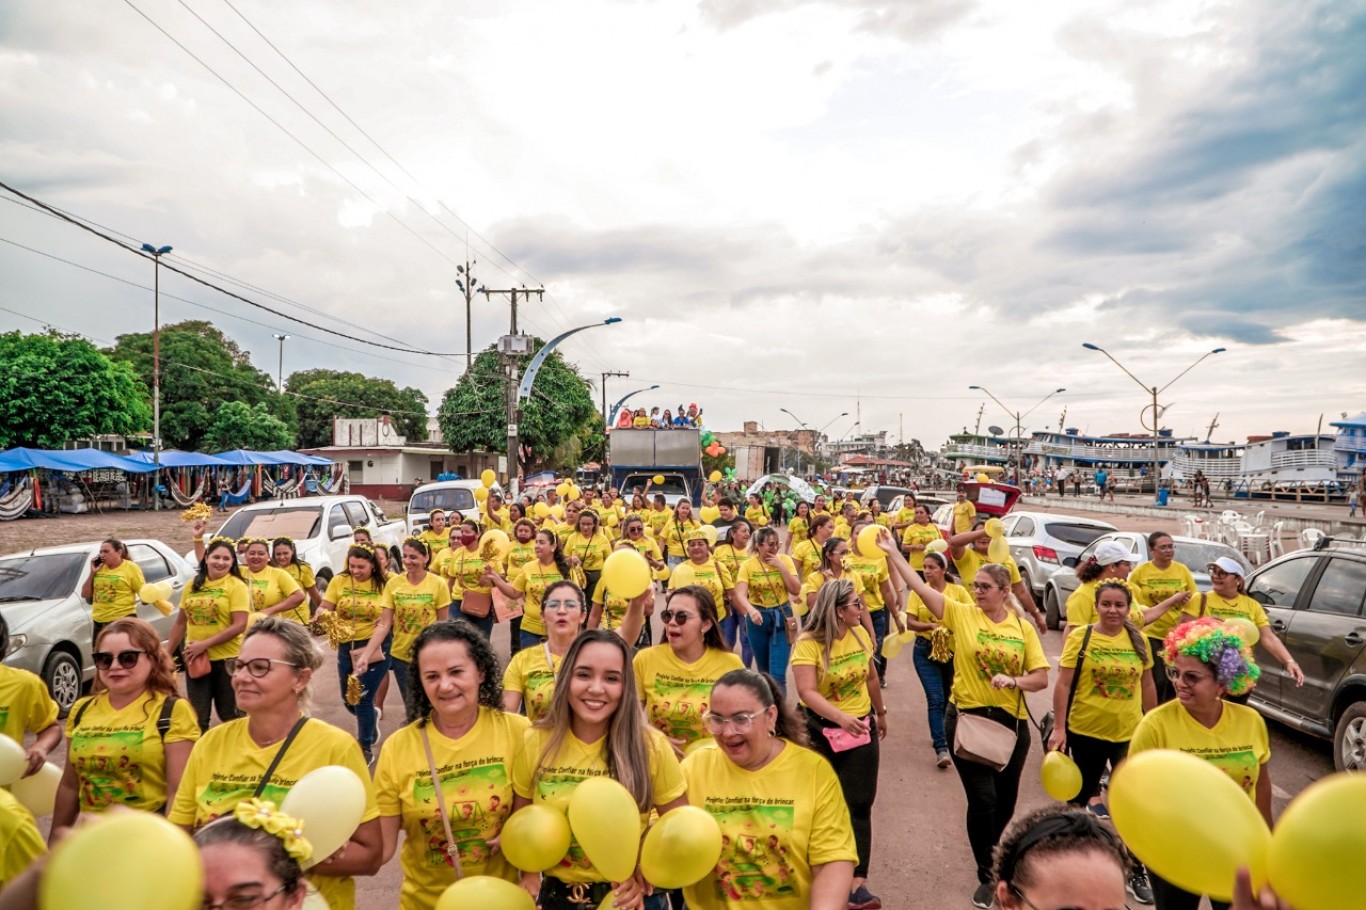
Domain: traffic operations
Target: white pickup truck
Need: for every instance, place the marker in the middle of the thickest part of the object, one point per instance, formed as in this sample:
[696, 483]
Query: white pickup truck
[320, 525]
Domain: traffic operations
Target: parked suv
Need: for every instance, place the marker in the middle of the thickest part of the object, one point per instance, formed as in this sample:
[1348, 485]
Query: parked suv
[1314, 600]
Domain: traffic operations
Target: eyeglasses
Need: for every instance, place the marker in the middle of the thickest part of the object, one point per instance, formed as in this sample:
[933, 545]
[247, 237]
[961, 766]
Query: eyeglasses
[1189, 677]
[978, 586]
[561, 605]
[127, 659]
[260, 666]
[740, 723]
[668, 617]
[1033, 906]
[853, 603]
[241, 901]
[1216, 572]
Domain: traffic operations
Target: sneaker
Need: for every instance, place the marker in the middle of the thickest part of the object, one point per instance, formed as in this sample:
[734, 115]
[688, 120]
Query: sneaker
[984, 896]
[379, 715]
[1099, 810]
[863, 899]
[1139, 887]
[943, 759]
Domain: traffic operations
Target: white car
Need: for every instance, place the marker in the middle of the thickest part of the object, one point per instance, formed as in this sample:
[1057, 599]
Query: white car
[446, 495]
[1040, 541]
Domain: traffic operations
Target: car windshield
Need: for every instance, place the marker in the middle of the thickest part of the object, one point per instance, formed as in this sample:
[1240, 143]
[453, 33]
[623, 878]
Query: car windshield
[1196, 556]
[459, 499]
[1077, 535]
[673, 484]
[301, 523]
[45, 577]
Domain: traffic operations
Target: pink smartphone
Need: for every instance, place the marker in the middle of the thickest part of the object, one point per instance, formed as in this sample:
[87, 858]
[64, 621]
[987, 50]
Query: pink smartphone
[843, 741]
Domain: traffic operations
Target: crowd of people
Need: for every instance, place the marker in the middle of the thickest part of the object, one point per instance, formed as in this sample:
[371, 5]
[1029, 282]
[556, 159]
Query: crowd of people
[654, 419]
[1148, 662]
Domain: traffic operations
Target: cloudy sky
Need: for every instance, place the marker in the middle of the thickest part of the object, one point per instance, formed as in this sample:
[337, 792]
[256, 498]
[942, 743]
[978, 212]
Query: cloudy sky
[818, 205]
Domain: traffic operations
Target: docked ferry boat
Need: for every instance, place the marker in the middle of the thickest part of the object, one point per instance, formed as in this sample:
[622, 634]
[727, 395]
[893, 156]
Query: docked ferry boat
[1128, 459]
[1281, 465]
[964, 449]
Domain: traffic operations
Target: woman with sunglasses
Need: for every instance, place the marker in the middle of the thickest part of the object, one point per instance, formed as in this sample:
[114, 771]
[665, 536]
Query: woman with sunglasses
[1228, 599]
[834, 556]
[675, 532]
[129, 740]
[779, 806]
[595, 727]
[212, 617]
[936, 675]
[286, 554]
[111, 588]
[1207, 662]
[458, 716]
[832, 664]
[1060, 857]
[799, 527]
[358, 598]
[756, 513]
[766, 584]
[530, 584]
[267, 751]
[633, 531]
[463, 566]
[273, 590]
[674, 679]
[997, 658]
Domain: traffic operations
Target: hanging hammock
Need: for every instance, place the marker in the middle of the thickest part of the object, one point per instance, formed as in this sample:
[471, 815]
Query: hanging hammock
[189, 499]
[16, 500]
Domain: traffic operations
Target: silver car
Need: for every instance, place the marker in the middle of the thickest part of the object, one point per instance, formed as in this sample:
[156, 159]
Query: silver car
[1040, 541]
[1195, 554]
[49, 622]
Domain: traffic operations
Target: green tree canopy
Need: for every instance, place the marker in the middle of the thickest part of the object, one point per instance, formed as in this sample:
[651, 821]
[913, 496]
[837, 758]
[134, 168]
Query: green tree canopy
[324, 394]
[201, 370]
[473, 414]
[57, 388]
[236, 425]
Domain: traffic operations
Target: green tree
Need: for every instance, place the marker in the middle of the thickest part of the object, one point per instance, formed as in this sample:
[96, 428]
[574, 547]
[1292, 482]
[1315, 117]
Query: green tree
[324, 394]
[473, 414]
[238, 426]
[57, 388]
[201, 370]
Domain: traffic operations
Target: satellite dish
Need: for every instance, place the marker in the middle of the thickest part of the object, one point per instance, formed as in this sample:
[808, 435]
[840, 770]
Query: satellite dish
[995, 431]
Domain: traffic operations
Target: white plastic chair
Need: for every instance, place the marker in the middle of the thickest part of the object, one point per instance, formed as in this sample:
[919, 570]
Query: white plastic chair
[1277, 544]
[1310, 536]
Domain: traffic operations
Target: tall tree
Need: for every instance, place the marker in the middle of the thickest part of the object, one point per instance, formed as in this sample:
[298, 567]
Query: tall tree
[57, 388]
[324, 394]
[237, 426]
[473, 414]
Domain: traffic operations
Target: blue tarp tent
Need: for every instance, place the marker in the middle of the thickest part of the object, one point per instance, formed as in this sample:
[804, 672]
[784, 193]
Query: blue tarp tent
[173, 458]
[239, 457]
[69, 460]
[299, 458]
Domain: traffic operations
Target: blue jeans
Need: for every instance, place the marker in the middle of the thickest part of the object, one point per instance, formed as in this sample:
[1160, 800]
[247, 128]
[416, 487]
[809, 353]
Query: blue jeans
[880, 620]
[400, 670]
[936, 679]
[769, 641]
[730, 628]
[367, 730]
[482, 623]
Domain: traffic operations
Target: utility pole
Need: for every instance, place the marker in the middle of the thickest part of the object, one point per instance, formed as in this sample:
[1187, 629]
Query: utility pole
[466, 283]
[280, 375]
[511, 346]
[603, 389]
[156, 253]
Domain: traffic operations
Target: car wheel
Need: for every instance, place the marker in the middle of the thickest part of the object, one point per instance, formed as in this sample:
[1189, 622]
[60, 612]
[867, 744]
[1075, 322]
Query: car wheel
[62, 674]
[1051, 610]
[322, 579]
[1349, 738]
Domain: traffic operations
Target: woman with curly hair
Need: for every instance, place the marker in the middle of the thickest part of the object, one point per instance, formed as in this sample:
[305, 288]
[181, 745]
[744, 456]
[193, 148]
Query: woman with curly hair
[457, 723]
[1206, 661]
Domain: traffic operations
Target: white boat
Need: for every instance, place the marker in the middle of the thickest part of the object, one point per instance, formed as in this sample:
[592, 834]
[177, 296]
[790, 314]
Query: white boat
[1282, 465]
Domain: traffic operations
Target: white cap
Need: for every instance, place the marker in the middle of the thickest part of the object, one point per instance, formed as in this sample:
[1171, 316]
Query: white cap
[1229, 565]
[1111, 552]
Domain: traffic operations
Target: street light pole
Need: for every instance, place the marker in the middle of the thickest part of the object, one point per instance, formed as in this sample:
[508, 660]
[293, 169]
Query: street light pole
[156, 253]
[1019, 422]
[616, 408]
[280, 376]
[1154, 391]
[801, 423]
[603, 388]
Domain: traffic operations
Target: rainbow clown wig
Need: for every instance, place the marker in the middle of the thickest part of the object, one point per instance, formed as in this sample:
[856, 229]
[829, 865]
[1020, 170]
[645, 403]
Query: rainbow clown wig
[1211, 642]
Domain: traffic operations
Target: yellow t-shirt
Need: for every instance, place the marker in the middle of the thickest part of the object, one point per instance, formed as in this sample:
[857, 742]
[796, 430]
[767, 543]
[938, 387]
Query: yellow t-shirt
[916, 607]
[114, 592]
[799, 529]
[614, 607]
[609, 519]
[119, 757]
[1236, 745]
[519, 554]
[1081, 605]
[731, 558]
[465, 569]
[807, 557]
[776, 824]
[435, 543]
[874, 573]
[553, 784]
[25, 705]
[476, 786]
[532, 581]
[1109, 700]
[1242, 606]
[756, 515]
[920, 535]
[816, 580]
[657, 519]
[1155, 585]
[530, 675]
[964, 513]
[227, 764]
[712, 575]
[303, 576]
[982, 649]
[844, 683]
[20, 842]
[766, 587]
[842, 529]
[358, 602]
[905, 515]
[647, 547]
[971, 562]
[270, 587]
[677, 695]
[209, 610]
[415, 607]
[591, 551]
[673, 534]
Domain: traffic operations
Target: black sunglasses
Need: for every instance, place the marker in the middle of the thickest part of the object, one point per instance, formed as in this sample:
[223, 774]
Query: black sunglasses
[670, 616]
[127, 659]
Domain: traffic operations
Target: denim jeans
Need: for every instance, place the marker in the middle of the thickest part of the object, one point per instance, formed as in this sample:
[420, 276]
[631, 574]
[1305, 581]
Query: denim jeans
[770, 644]
[400, 671]
[367, 730]
[212, 691]
[730, 628]
[936, 679]
[880, 620]
[482, 623]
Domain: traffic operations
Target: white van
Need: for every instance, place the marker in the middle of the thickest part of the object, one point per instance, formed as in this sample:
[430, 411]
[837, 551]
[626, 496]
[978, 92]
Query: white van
[446, 495]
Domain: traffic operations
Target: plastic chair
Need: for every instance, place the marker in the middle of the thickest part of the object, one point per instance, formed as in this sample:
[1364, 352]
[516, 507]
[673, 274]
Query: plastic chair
[1277, 544]
[1310, 536]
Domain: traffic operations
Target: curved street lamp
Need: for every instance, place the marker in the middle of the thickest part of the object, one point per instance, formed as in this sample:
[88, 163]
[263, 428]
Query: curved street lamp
[617, 407]
[1019, 417]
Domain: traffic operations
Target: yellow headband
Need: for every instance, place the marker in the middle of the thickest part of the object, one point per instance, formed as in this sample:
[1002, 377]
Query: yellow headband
[364, 546]
[262, 815]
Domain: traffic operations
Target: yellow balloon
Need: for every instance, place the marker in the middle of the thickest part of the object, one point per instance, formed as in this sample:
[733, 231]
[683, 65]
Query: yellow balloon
[1156, 793]
[892, 645]
[1318, 843]
[867, 541]
[708, 514]
[535, 838]
[982, 478]
[626, 574]
[500, 540]
[998, 550]
[681, 848]
[1061, 776]
[574, 491]
[715, 477]
[658, 479]
[994, 528]
[13, 761]
[154, 591]
[38, 792]
[488, 478]
[606, 822]
[486, 893]
[709, 532]
[937, 546]
[540, 510]
[662, 573]
[481, 494]
[122, 847]
[330, 802]
[562, 490]
[1245, 629]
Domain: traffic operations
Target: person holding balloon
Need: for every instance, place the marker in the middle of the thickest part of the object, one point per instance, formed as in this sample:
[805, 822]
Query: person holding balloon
[595, 727]
[459, 721]
[879, 596]
[761, 779]
[213, 613]
[609, 608]
[265, 754]
[128, 742]
[676, 530]
[934, 665]
[286, 555]
[531, 582]
[970, 550]
[633, 531]
[755, 511]
[766, 584]
[1228, 599]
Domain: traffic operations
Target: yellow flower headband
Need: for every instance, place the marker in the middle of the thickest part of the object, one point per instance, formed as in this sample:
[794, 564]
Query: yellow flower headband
[417, 543]
[284, 539]
[262, 815]
[227, 540]
[364, 546]
[248, 541]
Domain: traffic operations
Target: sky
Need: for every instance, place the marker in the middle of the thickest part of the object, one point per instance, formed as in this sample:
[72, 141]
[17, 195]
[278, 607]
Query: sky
[823, 206]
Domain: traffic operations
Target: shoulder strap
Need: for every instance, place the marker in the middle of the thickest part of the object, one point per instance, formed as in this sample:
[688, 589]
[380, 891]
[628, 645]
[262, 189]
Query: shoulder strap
[279, 756]
[1204, 604]
[80, 712]
[1076, 673]
[164, 719]
[451, 849]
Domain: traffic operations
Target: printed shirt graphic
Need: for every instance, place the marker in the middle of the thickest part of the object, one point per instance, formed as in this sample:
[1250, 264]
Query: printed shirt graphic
[576, 761]
[766, 587]
[712, 575]
[592, 552]
[982, 649]
[532, 581]
[226, 766]
[874, 572]
[1109, 700]
[270, 586]
[25, 705]
[919, 535]
[731, 558]
[776, 824]
[657, 519]
[677, 695]
[916, 607]
[357, 602]
[119, 756]
[1240, 607]
[114, 591]
[1236, 745]
[209, 610]
[1081, 604]
[1155, 585]
[530, 675]
[799, 529]
[519, 554]
[674, 532]
[465, 568]
[476, 785]
[816, 580]
[845, 683]
[414, 607]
